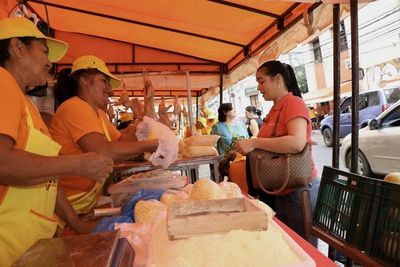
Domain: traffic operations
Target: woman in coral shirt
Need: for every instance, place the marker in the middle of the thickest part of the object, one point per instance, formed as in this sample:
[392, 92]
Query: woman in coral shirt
[277, 83]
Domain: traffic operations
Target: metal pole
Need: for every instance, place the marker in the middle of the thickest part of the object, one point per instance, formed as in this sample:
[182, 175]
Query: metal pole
[189, 99]
[336, 85]
[354, 84]
[336, 97]
[197, 106]
[221, 87]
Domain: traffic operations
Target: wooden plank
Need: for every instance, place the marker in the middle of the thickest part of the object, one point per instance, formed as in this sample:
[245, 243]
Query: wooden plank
[189, 218]
[349, 251]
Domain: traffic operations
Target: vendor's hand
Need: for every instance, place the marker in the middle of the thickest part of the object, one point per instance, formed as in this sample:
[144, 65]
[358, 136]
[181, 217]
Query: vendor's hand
[94, 166]
[245, 146]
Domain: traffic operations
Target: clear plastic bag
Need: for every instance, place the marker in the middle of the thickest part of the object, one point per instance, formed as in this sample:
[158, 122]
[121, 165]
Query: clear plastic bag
[167, 151]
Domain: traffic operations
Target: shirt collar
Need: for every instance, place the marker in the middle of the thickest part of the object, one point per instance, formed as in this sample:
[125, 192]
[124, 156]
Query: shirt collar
[280, 103]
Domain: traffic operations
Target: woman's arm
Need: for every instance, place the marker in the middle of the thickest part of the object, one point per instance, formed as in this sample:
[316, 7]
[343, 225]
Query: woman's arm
[254, 127]
[128, 134]
[117, 150]
[18, 167]
[65, 211]
[294, 142]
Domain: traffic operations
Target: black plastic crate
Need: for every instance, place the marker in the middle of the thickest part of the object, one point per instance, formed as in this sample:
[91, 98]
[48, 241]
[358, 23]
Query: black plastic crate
[362, 212]
[344, 205]
[384, 235]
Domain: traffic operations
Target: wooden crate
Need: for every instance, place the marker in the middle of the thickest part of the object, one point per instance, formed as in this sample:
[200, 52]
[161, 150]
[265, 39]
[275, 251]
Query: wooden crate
[199, 217]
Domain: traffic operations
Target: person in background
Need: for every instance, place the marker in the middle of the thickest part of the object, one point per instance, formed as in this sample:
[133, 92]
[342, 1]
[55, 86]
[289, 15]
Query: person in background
[313, 118]
[124, 121]
[80, 125]
[30, 167]
[210, 117]
[200, 128]
[229, 129]
[289, 116]
[254, 121]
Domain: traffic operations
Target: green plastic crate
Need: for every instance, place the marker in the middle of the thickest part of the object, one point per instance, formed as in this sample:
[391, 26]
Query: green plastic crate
[361, 211]
[384, 235]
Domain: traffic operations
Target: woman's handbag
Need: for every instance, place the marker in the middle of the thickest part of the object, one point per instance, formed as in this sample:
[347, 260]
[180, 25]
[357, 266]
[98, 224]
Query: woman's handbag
[273, 172]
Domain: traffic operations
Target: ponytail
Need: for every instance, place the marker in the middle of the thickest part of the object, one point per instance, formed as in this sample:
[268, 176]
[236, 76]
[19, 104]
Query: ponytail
[274, 67]
[65, 88]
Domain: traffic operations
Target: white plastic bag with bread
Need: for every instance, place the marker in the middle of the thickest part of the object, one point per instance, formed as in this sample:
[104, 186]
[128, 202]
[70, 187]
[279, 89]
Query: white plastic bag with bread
[167, 150]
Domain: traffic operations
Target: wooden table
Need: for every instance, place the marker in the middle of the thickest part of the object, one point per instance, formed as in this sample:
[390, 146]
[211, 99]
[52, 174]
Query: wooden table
[190, 165]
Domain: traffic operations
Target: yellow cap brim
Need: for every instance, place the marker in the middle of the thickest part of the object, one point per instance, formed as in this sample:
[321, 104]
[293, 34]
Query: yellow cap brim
[114, 81]
[57, 49]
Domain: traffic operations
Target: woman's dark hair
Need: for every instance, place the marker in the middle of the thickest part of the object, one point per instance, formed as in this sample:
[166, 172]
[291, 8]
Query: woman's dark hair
[225, 107]
[254, 110]
[5, 44]
[274, 67]
[67, 85]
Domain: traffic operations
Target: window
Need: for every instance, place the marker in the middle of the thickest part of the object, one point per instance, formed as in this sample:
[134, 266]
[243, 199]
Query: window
[346, 105]
[317, 50]
[254, 100]
[392, 119]
[342, 38]
[392, 95]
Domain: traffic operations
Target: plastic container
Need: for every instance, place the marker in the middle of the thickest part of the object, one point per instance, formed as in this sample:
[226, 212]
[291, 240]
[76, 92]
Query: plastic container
[362, 212]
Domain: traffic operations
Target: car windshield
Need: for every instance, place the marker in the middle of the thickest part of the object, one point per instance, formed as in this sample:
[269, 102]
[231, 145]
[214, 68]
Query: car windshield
[392, 95]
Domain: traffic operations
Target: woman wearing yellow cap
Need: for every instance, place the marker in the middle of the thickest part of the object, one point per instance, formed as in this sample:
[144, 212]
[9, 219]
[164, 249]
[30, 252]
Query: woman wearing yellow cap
[200, 127]
[81, 125]
[29, 165]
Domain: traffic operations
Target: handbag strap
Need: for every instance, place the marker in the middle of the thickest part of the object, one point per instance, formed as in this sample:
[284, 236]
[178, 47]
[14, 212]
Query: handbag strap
[276, 123]
[285, 182]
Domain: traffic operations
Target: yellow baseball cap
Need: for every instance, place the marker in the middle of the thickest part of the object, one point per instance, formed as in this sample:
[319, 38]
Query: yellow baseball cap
[209, 113]
[23, 27]
[93, 62]
[203, 121]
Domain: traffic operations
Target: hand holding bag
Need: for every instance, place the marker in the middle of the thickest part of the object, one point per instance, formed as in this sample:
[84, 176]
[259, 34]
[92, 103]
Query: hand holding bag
[273, 172]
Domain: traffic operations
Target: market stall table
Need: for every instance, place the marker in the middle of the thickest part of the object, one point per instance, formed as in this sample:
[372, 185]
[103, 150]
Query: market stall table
[185, 164]
[320, 259]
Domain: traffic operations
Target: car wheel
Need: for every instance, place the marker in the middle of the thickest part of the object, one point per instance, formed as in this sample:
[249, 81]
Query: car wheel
[327, 135]
[363, 165]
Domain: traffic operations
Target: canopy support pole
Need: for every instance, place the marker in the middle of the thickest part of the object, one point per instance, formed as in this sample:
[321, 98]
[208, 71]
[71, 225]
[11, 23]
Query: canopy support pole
[336, 97]
[189, 100]
[197, 106]
[336, 85]
[354, 84]
[221, 87]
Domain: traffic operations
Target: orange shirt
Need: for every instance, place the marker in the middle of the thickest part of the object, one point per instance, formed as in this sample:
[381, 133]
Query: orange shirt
[13, 116]
[74, 119]
[290, 107]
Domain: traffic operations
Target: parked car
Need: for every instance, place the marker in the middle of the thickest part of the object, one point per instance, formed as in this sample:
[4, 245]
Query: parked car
[371, 104]
[379, 144]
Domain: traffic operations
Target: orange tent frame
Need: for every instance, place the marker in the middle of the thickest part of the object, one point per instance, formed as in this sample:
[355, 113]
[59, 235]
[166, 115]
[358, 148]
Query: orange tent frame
[209, 39]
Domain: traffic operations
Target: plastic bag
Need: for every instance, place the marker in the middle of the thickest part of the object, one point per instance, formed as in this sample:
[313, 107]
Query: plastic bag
[107, 224]
[127, 208]
[167, 151]
[139, 237]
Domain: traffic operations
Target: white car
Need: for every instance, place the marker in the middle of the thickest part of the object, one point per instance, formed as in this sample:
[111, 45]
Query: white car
[379, 144]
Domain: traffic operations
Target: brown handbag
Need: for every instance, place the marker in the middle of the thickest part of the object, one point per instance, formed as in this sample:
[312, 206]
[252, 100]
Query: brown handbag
[273, 172]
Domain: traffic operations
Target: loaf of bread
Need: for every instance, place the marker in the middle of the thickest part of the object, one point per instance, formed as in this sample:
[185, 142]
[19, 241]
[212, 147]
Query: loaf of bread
[199, 151]
[146, 211]
[202, 140]
[205, 189]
